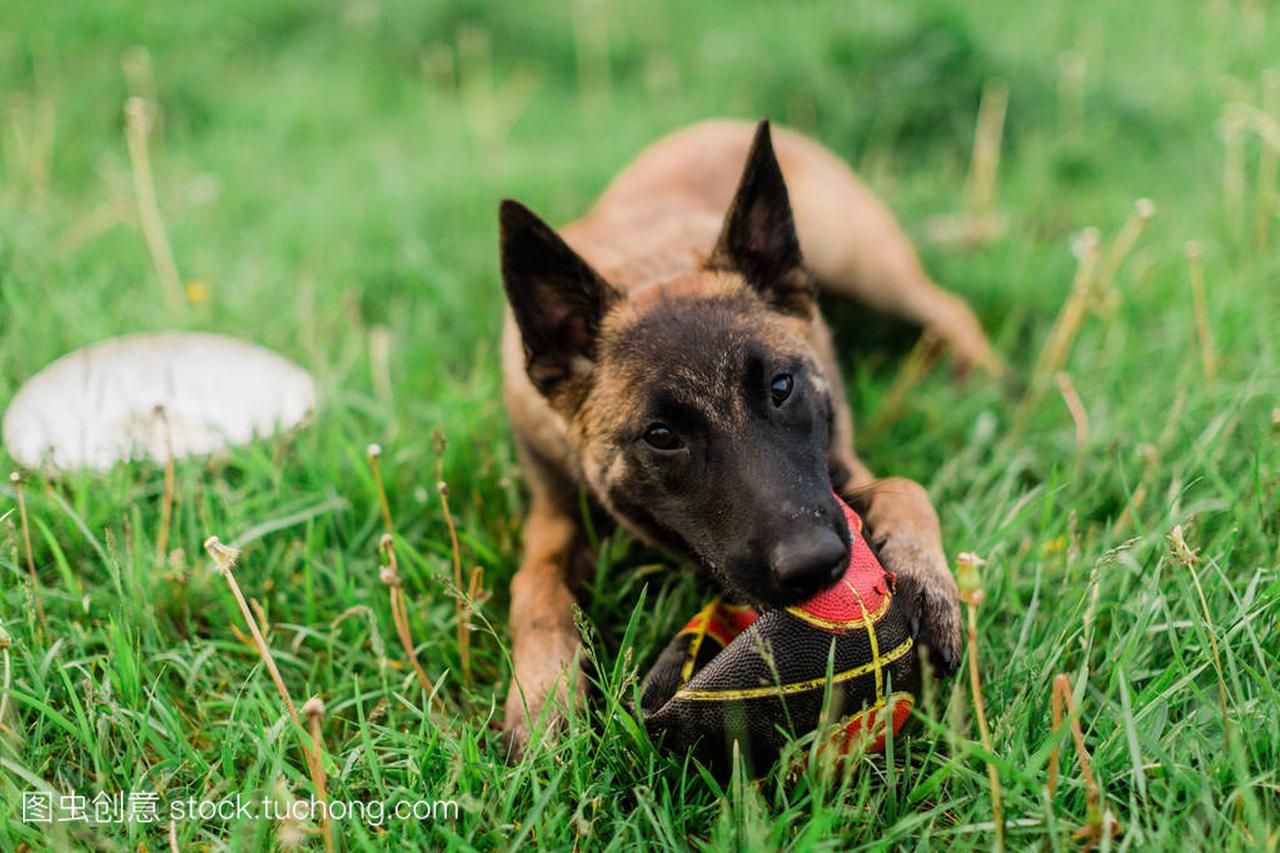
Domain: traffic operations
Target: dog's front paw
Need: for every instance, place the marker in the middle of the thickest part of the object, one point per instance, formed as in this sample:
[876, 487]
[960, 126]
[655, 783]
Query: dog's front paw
[547, 678]
[927, 595]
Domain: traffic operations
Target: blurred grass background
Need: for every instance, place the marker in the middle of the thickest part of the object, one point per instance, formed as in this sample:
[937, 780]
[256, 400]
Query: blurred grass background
[328, 175]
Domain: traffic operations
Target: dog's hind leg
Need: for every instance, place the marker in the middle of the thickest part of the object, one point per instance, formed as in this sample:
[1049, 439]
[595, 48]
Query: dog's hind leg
[854, 247]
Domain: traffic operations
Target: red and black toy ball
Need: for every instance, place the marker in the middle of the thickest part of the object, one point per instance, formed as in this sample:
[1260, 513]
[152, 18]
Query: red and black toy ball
[733, 674]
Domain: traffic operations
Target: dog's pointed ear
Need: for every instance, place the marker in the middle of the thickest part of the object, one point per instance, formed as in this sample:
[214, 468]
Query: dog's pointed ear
[558, 300]
[759, 236]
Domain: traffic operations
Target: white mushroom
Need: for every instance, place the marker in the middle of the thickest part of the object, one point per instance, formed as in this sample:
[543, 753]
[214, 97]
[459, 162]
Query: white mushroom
[149, 395]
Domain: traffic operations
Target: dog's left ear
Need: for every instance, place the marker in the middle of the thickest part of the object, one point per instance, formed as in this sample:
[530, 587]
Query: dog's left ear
[558, 300]
[759, 235]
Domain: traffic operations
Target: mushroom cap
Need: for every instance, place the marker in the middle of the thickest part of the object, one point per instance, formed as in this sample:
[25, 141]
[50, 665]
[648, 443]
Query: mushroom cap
[152, 396]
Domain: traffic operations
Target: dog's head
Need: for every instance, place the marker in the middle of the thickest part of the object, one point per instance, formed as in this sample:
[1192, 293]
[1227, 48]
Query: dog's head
[698, 405]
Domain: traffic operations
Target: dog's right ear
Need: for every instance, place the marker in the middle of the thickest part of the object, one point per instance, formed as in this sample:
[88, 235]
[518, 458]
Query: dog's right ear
[558, 300]
[759, 237]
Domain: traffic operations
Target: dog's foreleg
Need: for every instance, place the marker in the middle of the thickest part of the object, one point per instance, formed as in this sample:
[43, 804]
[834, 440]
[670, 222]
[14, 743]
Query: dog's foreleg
[903, 529]
[544, 639]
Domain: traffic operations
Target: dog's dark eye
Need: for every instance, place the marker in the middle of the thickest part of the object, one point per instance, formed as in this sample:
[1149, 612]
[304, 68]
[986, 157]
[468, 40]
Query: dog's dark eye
[780, 388]
[660, 437]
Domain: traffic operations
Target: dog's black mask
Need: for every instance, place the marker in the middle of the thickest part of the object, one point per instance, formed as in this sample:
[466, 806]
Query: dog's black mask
[724, 456]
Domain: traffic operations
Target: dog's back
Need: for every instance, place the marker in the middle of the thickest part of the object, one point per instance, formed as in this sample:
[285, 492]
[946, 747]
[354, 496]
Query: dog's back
[662, 214]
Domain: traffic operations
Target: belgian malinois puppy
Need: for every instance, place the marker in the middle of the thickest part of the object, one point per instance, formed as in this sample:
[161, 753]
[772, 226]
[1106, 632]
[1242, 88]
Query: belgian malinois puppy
[666, 353]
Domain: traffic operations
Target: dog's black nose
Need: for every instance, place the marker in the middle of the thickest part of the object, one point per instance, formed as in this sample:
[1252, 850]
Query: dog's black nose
[806, 561]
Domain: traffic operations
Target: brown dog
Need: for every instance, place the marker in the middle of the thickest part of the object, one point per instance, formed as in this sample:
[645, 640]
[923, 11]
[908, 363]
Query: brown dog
[669, 358]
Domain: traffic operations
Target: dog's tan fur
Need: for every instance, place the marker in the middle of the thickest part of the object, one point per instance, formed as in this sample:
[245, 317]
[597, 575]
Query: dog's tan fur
[649, 236]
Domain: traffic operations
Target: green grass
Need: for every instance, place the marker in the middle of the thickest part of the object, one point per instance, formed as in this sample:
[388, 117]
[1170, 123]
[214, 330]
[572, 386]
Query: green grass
[333, 169]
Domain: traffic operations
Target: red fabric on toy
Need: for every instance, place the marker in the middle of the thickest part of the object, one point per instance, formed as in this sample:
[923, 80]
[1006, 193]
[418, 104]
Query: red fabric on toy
[722, 621]
[840, 608]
